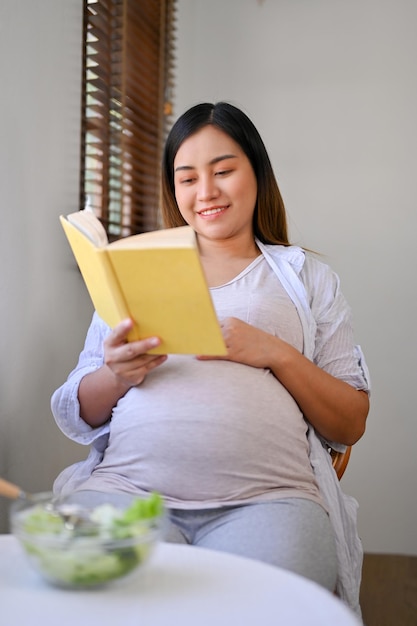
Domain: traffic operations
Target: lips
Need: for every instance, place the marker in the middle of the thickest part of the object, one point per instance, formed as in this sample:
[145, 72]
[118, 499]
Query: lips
[212, 211]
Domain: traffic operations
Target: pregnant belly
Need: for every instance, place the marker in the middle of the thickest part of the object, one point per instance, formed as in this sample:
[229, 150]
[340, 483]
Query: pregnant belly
[230, 436]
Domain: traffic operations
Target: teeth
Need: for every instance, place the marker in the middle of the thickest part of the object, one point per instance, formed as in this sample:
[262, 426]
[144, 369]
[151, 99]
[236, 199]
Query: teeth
[211, 211]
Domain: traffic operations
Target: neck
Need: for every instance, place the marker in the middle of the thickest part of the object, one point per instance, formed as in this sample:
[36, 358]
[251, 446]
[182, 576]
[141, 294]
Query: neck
[237, 247]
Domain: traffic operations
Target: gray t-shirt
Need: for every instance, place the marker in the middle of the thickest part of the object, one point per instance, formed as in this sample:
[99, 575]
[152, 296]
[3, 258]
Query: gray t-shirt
[215, 432]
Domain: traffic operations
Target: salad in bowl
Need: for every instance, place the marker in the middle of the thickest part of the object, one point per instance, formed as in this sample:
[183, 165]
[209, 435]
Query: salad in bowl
[87, 539]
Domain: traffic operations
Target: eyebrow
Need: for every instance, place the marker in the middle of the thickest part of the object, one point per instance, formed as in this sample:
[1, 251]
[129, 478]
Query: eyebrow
[223, 157]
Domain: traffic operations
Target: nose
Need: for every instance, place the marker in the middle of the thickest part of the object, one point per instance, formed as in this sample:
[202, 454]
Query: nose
[207, 188]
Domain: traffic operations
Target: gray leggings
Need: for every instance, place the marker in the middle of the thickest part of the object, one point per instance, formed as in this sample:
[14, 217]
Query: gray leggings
[292, 533]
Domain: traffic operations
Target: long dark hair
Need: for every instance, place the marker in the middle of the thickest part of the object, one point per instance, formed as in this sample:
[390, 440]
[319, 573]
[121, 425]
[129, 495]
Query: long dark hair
[269, 218]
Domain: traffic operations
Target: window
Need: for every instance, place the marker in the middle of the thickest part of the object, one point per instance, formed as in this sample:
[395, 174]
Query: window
[126, 110]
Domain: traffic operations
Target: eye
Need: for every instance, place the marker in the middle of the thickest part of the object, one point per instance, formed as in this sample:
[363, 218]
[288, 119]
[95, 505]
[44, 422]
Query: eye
[223, 172]
[186, 181]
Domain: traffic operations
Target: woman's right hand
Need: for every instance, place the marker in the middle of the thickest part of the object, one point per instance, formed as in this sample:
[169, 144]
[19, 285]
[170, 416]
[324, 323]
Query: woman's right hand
[125, 365]
[130, 362]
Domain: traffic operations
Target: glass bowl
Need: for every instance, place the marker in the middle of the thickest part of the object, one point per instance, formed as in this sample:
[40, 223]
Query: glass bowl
[87, 539]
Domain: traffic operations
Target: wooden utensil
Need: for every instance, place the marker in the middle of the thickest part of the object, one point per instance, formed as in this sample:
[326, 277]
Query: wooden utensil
[12, 491]
[71, 514]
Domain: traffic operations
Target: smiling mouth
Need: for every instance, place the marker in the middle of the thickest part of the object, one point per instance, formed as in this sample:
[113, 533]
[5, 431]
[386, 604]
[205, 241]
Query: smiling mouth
[212, 211]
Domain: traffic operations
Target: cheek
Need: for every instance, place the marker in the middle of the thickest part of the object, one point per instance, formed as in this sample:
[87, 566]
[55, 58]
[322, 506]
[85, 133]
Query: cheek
[248, 195]
[183, 202]
[178, 195]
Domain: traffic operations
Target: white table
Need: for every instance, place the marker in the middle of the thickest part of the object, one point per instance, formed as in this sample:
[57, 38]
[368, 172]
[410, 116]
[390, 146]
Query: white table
[180, 585]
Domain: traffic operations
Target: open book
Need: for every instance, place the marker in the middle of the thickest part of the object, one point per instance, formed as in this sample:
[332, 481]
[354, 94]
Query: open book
[154, 278]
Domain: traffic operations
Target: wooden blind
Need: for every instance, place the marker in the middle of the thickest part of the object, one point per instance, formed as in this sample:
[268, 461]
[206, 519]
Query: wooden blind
[128, 79]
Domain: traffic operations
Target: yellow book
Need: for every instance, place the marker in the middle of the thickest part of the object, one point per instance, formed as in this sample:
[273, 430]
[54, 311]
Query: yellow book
[154, 278]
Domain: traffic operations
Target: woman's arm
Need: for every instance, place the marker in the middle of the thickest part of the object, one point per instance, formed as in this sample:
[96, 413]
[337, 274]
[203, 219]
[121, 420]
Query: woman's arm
[337, 410]
[125, 366]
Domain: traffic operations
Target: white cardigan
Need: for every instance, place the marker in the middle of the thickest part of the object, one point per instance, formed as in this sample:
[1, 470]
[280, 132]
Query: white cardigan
[315, 291]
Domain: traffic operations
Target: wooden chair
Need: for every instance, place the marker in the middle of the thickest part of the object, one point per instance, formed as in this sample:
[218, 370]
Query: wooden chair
[340, 460]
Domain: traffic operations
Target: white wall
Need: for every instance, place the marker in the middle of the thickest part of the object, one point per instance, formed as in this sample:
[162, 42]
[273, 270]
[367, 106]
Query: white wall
[44, 310]
[332, 87]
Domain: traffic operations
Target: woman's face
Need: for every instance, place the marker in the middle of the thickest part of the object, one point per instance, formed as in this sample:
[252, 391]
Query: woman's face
[215, 185]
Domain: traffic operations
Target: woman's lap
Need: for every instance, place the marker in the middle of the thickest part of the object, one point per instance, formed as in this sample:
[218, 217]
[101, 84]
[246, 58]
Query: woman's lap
[293, 533]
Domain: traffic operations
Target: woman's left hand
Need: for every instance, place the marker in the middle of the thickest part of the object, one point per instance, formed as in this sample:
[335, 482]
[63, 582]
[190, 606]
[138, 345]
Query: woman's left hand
[245, 344]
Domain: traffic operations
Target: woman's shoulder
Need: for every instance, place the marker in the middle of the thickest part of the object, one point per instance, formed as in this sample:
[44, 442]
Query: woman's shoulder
[294, 255]
[316, 269]
[323, 287]
[320, 282]
[304, 263]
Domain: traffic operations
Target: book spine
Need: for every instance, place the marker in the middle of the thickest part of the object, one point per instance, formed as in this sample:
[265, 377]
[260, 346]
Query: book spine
[119, 309]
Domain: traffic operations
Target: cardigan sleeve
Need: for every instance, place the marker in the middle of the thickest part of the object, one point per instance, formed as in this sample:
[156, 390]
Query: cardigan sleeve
[64, 402]
[335, 350]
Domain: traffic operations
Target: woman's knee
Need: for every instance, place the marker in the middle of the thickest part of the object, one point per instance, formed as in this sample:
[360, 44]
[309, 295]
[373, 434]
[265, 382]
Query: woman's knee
[294, 534]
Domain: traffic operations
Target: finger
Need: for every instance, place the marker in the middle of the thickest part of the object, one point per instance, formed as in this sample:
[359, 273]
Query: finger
[137, 348]
[139, 374]
[120, 332]
[156, 361]
[137, 351]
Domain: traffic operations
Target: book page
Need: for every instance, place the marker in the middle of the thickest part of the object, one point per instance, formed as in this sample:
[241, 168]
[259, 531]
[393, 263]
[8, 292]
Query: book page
[90, 226]
[181, 237]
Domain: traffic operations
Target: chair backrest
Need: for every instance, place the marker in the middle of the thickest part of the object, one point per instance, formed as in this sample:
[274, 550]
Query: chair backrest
[340, 461]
